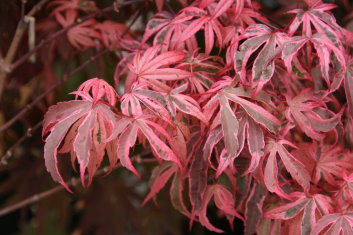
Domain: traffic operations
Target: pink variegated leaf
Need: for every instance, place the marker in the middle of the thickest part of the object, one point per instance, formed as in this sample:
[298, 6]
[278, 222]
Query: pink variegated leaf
[330, 163]
[271, 176]
[253, 208]
[125, 134]
[213, 138]
[224, 201]
[259, 114]
[318, 18]
[148, 67]
[184, 103]
[83, 125]
[334, 224]
[123, 144]
[225, 161]
[158, 146]
[256, 143]
[52, 142]
[222, 6]
[159, 178]
[194, 27]
[230, 127]
[308, 209]
[295, 168]
[176, 194]
[263, 68]
[323, 47]
[83, 142]
[291, 49]
[197, 177]
[158, 21]
[99, 89]
[344, 196]
[60, 111]
[211, 24]
[311, 119]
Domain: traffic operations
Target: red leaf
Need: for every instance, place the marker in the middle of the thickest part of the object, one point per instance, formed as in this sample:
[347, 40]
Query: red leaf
[94, 123]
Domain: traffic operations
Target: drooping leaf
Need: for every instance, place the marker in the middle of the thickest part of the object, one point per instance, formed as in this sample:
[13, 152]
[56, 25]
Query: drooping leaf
[309, 209]
[295, 168]
[86, 142]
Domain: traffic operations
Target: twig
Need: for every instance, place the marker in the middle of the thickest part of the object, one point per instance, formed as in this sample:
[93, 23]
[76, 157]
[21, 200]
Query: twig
[9, 152]
[63, 30]
[30, 200]
[52, 88]
[74, 181]
[5, 67]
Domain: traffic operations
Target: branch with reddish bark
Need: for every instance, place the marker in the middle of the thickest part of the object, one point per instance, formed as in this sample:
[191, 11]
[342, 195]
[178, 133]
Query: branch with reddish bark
[72, 183]
[65, 77]
[6, 66]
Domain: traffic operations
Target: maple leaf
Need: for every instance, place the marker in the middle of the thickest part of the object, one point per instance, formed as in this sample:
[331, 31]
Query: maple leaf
[224, 201]
[307, 111]
[197, 174]
[271, 44]
[85, 125]
[151, 68]
[99, 89]
[243, 16]
[124, 136]
[309, 208]
[253, 207]
[210, 22]
[159, 178]
[318, 17]
[324, 162]
[344, 196]
[133, 103]
[323, 47]
[230, 124]
[255, 138]
[204, 70]
[133, 47]
[82, 35]
[111, 33]
[168, 29]
[334, 224]
[295, 168]
[183, 103]
[162, 104]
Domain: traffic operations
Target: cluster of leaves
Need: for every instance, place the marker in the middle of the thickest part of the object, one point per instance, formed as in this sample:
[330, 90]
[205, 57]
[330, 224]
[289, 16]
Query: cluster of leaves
[233, 108]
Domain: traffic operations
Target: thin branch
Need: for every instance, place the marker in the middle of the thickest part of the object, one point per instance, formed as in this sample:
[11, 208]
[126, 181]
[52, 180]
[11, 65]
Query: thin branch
[30, 200]
[9, 152]
[63, 30]
[54, 86]
[51, 89]
[73, 182]
[5, 67]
